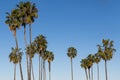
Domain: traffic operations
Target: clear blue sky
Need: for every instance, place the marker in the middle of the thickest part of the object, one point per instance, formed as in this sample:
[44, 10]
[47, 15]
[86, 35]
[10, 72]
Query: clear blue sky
[79, 23]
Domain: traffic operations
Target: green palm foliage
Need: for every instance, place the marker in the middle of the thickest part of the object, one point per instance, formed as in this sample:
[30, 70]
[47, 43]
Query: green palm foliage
[41, 45]
[13, 56]
[72, 53]
[106, 52]
[84, 63]
[31, 48]
[50, 58]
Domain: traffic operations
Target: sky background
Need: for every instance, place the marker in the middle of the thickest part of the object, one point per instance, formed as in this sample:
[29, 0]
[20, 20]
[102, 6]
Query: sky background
[65, 23]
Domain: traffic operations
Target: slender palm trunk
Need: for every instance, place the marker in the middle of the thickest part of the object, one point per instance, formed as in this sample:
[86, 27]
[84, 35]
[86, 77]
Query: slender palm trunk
[98, 70]
[17, 48]
[30, 69]
[86, 74]
[21, 71]
[14, 71]
[30, 33]
[92, 72]
[25, 41]
[39, 67]
[32, 72]
[106, 70]
[71, 69]
[44, 72]
[16, 41]
[49, 70]
[89, 72]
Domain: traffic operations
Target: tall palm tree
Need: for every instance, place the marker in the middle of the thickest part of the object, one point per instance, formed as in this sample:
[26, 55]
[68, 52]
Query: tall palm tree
[31, 15]
[31, 54]
[41, 45]
[91, 59]
[13, 58]
[72, 53]
[106, 52]
[23, 13]
[50, 58]
[84, 65]
[13, 20]
[97, 60]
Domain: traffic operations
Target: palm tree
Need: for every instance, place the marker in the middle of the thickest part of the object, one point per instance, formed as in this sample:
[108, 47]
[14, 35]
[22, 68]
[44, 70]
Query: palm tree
[31, 54]
[23, 13]
[13, 20]
[13, 58]
[89, 65]
[106, 52]
[91, 59]
[84, 65]
[31, 14]
[72, 53]
[97, 60]
[41, 45]
[50, 58]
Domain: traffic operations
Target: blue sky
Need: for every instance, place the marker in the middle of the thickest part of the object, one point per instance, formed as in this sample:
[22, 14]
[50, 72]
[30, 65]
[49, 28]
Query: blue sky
[79, 23]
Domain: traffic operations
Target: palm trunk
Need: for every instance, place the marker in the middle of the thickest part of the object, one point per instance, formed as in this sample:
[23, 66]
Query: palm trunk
[25, 41]
[17, 48]
[44, 70]
[30, 68]
[16, 41]
[39, 67]
[89, 72]
[71, 70]
[14, 71]
[49, 70]
[86, 74]
[98, 70]
[21, 71]
[32, 71]
[106, 70]
[30, 33]
[92, 72]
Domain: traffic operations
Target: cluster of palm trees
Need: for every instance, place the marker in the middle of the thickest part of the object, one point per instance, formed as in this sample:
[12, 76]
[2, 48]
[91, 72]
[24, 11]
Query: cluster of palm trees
[105, 52]
[24, 15]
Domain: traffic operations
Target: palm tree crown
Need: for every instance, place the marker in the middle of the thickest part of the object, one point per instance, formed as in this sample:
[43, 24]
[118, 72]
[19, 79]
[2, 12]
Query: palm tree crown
[50, 56]
[41, 43]
[106, 50]
[72, 52]
[31, 50]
